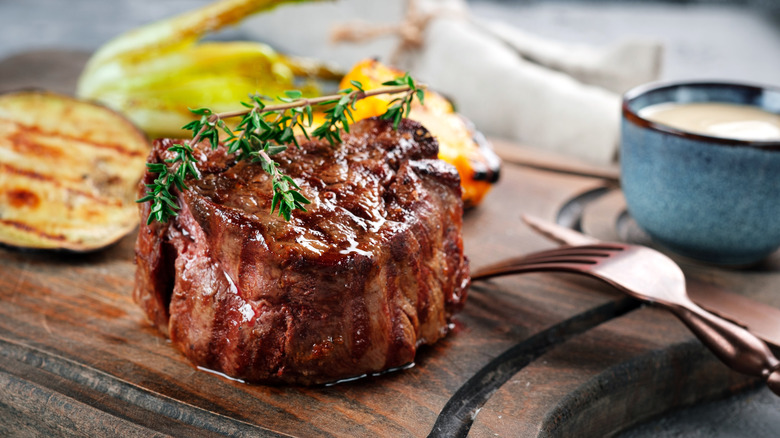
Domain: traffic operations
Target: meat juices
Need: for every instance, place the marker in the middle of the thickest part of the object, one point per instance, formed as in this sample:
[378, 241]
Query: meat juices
[374, 269]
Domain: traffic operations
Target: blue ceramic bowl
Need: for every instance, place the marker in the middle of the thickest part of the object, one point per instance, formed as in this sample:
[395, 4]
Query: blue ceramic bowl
[708, 198]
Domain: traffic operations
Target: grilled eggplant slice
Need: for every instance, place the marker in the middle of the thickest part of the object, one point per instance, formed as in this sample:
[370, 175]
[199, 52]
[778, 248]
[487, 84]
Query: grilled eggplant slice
[69, 170]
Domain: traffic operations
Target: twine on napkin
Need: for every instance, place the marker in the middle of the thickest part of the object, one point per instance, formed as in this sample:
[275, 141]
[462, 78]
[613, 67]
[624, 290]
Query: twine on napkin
[410, 30]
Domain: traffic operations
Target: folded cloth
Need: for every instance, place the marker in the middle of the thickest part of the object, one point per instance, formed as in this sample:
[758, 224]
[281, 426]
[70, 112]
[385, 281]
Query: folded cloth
[508, 96]
[511, 84]
[617, 68]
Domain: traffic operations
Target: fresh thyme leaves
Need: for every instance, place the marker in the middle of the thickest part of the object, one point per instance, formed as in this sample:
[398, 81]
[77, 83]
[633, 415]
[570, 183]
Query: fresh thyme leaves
[159, 192]
[264, 131]
[402, 105]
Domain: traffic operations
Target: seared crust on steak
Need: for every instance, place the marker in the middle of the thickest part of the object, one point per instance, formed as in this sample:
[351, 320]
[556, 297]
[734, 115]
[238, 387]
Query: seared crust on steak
[374, 268]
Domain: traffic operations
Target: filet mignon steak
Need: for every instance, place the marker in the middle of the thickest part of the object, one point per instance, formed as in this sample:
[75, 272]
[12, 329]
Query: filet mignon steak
[374, 268]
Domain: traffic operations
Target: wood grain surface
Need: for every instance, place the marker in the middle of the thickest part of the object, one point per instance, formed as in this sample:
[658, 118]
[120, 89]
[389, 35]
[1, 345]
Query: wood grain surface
[533, 355]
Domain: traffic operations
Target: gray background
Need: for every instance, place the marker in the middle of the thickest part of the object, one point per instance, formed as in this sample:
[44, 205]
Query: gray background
[736, 40]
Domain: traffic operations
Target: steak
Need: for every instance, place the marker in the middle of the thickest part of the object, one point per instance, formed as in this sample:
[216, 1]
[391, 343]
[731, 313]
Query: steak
[373, 270]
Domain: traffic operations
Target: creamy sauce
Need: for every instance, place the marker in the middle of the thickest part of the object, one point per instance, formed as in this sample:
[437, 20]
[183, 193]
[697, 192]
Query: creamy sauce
[726, 120]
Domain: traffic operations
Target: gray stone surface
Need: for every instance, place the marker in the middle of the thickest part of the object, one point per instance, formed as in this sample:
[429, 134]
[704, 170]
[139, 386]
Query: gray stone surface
[705, 41]
[753, 414]
[76, 24]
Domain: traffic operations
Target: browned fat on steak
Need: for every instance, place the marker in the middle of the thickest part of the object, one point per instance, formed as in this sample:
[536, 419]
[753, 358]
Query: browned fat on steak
[374, 268]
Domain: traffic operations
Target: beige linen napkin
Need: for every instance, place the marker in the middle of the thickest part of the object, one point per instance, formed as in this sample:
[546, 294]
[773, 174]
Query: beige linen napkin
[511, 84]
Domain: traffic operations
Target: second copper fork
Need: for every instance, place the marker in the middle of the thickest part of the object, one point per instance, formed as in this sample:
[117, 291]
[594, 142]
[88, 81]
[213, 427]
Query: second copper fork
[649, 275]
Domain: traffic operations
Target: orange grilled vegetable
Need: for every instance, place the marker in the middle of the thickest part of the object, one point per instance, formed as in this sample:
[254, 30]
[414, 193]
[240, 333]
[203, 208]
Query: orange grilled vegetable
[68, 172]
[459, 143]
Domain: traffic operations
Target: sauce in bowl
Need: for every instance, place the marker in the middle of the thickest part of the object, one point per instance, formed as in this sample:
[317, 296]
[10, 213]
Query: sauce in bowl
[725, 120]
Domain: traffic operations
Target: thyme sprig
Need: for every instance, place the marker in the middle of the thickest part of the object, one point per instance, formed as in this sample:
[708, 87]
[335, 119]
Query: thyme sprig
[265, 131]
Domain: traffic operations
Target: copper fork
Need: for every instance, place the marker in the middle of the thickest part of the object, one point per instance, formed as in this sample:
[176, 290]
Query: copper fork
[651, 276]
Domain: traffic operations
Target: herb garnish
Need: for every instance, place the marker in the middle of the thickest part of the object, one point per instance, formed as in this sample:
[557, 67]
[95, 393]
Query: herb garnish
[264, 131]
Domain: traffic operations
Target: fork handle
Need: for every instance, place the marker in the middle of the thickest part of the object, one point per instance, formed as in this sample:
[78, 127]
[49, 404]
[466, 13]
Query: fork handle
[736, 347]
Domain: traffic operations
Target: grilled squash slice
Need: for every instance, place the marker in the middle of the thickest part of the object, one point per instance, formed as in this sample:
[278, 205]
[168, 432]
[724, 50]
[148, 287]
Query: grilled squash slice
[459, 143]
[68, 172]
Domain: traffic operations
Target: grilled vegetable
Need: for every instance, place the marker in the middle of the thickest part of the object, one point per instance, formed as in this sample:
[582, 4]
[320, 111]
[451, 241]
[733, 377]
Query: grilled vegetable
[155, 73]
[68, 172]
[459, 143]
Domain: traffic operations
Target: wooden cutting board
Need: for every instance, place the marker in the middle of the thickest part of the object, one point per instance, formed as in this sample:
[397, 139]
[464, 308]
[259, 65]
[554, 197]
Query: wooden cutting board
[533, 355]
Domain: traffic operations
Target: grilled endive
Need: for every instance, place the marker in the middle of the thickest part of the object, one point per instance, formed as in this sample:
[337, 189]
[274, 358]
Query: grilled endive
[155, 73]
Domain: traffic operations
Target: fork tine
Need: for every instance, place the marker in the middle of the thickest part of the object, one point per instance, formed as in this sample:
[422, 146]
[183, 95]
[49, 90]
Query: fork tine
[519, 268]
[555, 258]
[583, 254]
[585, 259]
[570, 259]
[595, 255]
[596, 250]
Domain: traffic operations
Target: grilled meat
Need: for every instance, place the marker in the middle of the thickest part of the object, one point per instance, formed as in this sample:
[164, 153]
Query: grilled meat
[374, 268]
